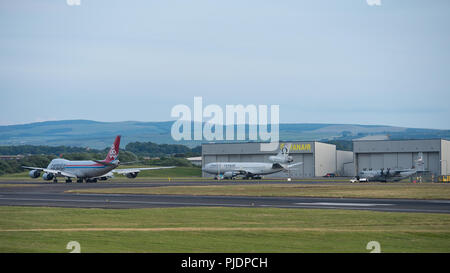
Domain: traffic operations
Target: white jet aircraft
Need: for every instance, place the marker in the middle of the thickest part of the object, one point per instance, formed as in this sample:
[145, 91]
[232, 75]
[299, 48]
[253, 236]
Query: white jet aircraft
[87, 170]
[252, 170]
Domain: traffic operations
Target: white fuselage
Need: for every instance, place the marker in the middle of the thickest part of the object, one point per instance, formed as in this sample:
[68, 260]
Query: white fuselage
[81, 169]
[255, 168]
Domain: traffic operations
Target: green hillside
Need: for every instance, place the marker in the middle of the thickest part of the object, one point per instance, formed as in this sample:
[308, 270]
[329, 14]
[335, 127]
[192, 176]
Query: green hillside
[99, 135]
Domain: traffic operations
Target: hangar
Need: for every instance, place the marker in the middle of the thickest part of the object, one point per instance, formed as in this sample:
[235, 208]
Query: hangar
[378, 154]
[318, 158]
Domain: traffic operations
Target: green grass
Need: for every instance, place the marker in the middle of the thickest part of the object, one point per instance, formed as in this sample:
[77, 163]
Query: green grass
[15, 176]
[37, 229]
[16, 185]
[165, 173]
[366, 190]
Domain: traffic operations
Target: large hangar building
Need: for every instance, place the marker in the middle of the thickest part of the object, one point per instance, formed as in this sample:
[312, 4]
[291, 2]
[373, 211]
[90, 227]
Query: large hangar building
[318, 158]
[378, 154]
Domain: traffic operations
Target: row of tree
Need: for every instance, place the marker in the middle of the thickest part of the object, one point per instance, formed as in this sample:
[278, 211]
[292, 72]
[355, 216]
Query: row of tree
[37, 150]
[42, 161]
[153, 149]
[14, 166]
[138, 148]
[140, 153]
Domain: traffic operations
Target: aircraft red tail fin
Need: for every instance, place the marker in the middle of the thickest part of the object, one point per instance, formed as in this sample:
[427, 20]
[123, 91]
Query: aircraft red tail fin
[113, 153]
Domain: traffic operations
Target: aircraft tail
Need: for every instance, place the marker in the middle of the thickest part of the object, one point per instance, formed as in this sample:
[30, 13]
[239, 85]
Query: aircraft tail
[419, 164]
[113, 153]
[293, 165]
[284, 149]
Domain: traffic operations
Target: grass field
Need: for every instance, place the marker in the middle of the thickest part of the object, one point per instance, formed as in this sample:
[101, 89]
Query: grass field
[366, 190]
[38, 229]
[16, 185]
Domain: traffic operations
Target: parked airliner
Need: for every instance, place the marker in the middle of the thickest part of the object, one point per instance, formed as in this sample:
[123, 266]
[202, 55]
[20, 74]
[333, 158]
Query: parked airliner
[87, 170]
[252, 170]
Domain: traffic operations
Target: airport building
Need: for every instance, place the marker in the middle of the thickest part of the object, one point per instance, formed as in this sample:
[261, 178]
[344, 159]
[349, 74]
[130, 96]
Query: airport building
[401, 154]
[321, 158]
[318, 158]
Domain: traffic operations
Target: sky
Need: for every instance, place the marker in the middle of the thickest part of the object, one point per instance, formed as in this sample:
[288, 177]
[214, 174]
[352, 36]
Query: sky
[321, 61]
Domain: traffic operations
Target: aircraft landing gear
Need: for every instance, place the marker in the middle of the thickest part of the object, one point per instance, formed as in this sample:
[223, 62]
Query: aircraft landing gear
[254, 177]
[55, 180]
[80, 180]
[68, 180]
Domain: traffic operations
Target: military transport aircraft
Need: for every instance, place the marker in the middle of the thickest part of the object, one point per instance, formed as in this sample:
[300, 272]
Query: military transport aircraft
[87, 170]
[390, 174]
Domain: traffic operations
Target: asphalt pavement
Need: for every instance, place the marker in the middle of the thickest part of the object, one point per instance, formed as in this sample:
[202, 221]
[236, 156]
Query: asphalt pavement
[55, 195]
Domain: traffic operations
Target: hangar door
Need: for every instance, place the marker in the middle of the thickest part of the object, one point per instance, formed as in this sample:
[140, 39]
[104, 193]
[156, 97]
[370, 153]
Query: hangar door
[363, 162]
[304, 170]
[405, 160]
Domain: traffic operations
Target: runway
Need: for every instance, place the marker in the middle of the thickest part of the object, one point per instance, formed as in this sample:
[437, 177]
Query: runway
[54, 195]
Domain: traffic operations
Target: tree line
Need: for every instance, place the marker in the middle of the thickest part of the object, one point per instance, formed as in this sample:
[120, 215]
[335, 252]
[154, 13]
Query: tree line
[138, 148]
[153, 149]
[145, 153]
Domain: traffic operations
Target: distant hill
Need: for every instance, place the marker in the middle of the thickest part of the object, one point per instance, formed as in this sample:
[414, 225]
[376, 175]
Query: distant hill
[98, 135]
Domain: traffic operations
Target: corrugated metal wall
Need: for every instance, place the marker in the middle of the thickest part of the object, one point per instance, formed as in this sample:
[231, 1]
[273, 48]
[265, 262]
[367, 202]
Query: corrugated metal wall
[250, 152]
[397, 160]
[399, 154]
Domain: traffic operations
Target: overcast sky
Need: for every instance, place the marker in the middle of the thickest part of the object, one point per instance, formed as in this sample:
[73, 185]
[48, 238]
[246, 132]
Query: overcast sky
[322, 61]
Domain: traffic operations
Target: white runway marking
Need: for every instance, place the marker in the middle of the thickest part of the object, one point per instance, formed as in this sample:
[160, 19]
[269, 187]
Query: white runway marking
[343, 204]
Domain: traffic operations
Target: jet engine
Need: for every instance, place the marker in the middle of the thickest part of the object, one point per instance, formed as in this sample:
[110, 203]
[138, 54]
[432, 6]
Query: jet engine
[48, 176]
[131, 175]
[229, 175]
[34, 173]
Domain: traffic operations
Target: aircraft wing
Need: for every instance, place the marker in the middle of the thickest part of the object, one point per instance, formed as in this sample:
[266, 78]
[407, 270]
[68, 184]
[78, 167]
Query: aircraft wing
[60, 173]
[284, 166]
[55, 172]
[295, 164]
[242, 172]
[33, 168]
[136, 170]
[107, 175]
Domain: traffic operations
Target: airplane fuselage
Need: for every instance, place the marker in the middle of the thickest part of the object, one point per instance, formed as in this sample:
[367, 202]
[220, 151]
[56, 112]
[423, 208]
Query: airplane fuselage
[80, 168]
[387, 175]
[255, 168]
